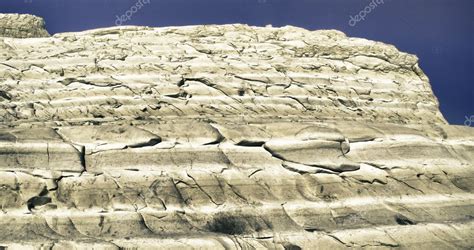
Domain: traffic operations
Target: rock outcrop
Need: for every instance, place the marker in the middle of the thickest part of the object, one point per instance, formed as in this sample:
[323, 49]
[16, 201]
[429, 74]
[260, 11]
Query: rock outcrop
[226, 137]
[22, 26]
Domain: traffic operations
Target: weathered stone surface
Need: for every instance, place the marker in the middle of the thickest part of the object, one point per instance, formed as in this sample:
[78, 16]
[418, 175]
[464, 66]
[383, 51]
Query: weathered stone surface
[22, 26]
[226, 137]
[209, 72]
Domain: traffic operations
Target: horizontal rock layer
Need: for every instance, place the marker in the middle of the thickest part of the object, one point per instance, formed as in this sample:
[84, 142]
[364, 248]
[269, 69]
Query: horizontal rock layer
[226, 137]
[231, 71]
[269, 185]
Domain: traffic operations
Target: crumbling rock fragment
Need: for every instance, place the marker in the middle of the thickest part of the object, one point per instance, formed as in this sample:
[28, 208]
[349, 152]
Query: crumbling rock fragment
[22, 26]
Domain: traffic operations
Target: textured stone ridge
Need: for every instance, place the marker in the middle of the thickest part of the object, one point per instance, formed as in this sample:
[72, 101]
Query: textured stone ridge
[209, 72]
[226, 137]
[22, 26]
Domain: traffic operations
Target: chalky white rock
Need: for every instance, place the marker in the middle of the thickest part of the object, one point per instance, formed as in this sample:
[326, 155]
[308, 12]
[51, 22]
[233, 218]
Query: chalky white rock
[225, 137]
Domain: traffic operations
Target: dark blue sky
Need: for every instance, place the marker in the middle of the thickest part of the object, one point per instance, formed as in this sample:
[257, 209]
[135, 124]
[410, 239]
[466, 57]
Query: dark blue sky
[439, 32]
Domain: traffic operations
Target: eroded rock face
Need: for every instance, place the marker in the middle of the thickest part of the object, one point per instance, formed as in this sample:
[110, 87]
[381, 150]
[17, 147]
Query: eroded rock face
[22, 26]
[226, 137]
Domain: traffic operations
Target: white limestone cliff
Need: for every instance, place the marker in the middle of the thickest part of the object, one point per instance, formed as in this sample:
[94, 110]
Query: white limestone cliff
[226, 137]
